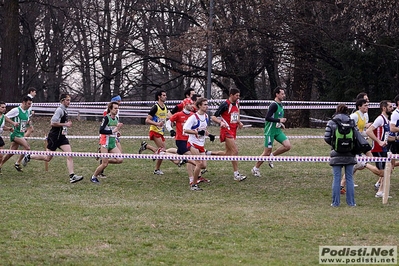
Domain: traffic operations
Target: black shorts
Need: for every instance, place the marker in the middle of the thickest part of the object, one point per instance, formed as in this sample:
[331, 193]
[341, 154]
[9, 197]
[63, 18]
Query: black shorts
[182, 147]
[393, 147]
[380, 165]
[55, 142]
[2, 142]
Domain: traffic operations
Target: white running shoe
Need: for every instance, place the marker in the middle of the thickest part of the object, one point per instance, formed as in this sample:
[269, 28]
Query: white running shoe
[239, 177]
[158, 172]
[75, 178]
[380, 195]
[271, 164]
[256, 172]
[360, 165]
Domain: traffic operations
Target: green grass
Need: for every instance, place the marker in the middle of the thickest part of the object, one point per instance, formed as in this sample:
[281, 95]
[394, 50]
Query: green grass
[136, 218]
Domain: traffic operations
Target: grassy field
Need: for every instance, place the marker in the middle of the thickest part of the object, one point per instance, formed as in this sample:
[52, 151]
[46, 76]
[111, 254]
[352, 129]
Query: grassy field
[136, 218]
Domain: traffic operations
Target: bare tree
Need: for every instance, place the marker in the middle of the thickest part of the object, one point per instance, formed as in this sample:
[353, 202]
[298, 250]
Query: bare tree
[9, 52]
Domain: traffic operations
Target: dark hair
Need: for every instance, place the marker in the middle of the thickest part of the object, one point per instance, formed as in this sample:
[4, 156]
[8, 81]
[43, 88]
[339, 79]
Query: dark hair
[360, 102]
[31, 89]
[200, 101]
[187, 92]
[277, 90]
[63, 96]
[341, 109]
[361, 95]
[384, 103]
[110, 106]
[26, 98]
[234, 91]
[158, 94]
[195, 97]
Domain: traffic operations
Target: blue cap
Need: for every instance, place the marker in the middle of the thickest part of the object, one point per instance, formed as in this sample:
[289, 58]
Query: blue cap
[116, 98]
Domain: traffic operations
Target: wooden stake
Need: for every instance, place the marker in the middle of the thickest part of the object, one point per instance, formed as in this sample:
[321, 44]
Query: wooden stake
[45, 148]
[387, 180]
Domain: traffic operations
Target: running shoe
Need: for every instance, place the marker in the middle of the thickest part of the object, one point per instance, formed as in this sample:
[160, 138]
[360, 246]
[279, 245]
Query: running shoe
[158, 172]
[75, 178]
[203, 179]
[380, 195]
[256, 172]
[195, 187]
[94, 179]
[143, 147]
[239, 177]
[182, 162]
[18, 167]
[101, 175]
[271, 164]
[26, 160]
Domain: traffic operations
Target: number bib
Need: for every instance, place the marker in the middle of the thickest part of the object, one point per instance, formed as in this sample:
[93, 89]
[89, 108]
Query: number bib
[234, 118]
[22, 126]
[112, 129]
[64, 130]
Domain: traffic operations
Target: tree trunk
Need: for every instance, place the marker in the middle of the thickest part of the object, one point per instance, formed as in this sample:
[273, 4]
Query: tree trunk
[301, 86]
[9, 90]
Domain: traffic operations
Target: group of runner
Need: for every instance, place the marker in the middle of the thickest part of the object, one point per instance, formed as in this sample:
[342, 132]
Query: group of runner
[192, 129]
[190, 119]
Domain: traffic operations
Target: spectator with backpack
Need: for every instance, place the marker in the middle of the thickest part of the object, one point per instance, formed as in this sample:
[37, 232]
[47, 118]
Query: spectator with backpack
[361, 118]
[342, 153]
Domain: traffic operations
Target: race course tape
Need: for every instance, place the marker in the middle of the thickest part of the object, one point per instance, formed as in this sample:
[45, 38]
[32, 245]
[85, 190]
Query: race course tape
[195, 157]
[168, 137]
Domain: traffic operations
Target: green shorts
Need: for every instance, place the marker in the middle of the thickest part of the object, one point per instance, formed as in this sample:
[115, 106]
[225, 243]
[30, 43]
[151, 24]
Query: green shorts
[109, 146]
[14, 135]
[279, 136]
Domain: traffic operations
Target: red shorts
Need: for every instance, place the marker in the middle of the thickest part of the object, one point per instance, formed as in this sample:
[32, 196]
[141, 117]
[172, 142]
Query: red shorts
[154, 135]
[227, 133]
[201, 149]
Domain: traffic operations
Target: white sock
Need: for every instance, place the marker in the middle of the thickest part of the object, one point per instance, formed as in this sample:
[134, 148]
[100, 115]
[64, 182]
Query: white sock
[236, 173]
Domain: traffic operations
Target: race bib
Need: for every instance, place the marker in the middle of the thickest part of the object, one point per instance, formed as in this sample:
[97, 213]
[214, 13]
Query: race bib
[64, 130]
[112, 129]
[234, 118]
[163, 124]
[22, 126]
